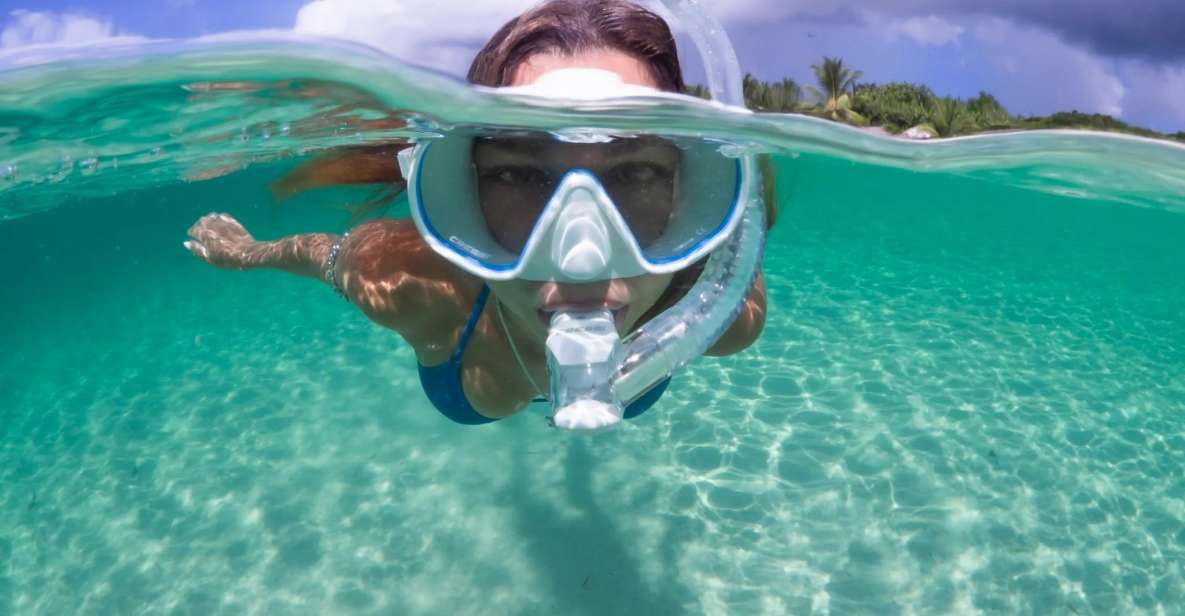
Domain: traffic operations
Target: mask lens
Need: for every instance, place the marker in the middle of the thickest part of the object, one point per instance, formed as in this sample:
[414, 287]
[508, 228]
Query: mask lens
[642, 177]
[514, 184]
[672, 193]
[483, 193]
[702, 194]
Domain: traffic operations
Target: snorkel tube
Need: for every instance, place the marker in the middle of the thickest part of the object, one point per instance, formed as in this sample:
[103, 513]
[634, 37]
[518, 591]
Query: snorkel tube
[594, 373]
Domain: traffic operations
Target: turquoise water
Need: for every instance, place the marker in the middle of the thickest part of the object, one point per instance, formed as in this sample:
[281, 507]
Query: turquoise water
[969, 397]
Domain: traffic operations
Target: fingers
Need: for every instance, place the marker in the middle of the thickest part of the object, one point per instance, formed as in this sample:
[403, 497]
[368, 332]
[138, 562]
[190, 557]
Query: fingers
[225, 223]
[198, 249]
[203, 223]
[218, 239]
[211, 223]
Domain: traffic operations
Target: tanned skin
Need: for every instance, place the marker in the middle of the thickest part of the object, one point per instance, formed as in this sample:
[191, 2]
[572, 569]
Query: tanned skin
[387, 270]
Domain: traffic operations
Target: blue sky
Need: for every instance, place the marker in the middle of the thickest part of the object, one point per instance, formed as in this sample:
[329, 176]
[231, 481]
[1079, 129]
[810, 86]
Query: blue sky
[1037, 56]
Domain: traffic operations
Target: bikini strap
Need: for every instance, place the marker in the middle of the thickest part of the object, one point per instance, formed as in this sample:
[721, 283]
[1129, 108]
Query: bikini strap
[478, 306]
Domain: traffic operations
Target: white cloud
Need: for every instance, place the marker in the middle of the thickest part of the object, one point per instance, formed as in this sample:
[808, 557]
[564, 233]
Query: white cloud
[927, 31]
[40, 28]
[1044, 70]
[1161, 100]
[445, 34]
[440, 34]
[764, 11]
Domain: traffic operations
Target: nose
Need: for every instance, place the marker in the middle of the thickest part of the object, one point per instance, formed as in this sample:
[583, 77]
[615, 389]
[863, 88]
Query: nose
[581, 248]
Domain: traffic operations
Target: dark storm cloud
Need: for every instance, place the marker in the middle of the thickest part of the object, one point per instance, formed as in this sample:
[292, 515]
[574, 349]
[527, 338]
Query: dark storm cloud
[1144, 29]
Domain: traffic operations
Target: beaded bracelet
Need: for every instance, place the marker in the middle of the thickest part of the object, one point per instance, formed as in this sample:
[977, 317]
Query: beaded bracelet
[331, 264]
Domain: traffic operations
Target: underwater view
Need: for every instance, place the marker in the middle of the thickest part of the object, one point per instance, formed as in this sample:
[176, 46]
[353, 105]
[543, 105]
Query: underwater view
[969, 395]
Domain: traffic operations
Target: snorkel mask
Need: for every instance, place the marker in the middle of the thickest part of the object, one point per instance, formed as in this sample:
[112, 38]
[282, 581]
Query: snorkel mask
[573, 208]
[603, 206]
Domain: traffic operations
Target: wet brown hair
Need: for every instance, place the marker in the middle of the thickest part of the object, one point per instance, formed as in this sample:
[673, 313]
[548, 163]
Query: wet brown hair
[570, 27]
[562, 27]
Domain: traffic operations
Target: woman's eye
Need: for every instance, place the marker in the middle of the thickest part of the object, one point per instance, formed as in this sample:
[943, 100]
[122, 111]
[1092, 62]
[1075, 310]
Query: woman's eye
[515, 176]
[640, 172]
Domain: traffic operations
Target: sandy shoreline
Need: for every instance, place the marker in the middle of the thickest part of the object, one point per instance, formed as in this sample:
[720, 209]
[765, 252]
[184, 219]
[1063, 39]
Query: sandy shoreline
[879, 131]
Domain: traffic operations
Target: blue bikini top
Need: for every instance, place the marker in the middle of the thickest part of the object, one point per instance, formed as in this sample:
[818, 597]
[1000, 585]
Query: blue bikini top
[442, 382]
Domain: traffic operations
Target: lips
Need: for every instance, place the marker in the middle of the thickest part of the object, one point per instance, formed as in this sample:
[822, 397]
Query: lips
[611, 295]
[618, 312]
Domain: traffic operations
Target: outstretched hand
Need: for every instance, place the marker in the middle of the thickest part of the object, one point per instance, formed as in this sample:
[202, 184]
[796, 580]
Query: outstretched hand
[220, 241]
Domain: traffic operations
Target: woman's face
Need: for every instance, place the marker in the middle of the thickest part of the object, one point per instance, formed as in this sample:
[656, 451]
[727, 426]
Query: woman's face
[638, 171]
[517, 176]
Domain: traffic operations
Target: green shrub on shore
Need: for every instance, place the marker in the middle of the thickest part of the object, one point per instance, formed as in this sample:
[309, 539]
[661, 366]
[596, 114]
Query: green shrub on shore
[988, 114]
[895, 106]
[1085, 121]
[950, 117]
[899, 106]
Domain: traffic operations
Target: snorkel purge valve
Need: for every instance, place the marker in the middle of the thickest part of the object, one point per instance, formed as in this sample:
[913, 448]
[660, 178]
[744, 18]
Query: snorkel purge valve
[583, 233]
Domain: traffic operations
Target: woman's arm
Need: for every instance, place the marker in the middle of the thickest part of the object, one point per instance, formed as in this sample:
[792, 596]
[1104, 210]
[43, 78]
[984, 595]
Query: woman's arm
[222, 242]
[387, 270]
[383, 267]
[745, 330]
[303, 255]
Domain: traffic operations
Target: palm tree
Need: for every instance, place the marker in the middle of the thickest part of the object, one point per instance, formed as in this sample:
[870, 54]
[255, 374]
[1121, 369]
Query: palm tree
[781, 97]
[987, 112]
[777, 97]
[755, 92]
[699, 91]
[836, 80]
[787, 95]
[839, 85]
[949, 116]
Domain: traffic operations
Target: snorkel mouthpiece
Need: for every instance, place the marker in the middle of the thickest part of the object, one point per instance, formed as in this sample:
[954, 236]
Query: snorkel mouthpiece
[583, 355]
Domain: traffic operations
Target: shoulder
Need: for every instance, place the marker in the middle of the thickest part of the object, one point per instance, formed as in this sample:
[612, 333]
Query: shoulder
[388, 271]
[391, 251]
[382, 238]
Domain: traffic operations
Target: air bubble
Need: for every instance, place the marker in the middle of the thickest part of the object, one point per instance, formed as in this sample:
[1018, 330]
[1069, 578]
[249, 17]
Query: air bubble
[67, 167]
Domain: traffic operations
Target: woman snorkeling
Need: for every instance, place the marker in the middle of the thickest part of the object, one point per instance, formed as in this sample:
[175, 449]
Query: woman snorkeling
[513, 228]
